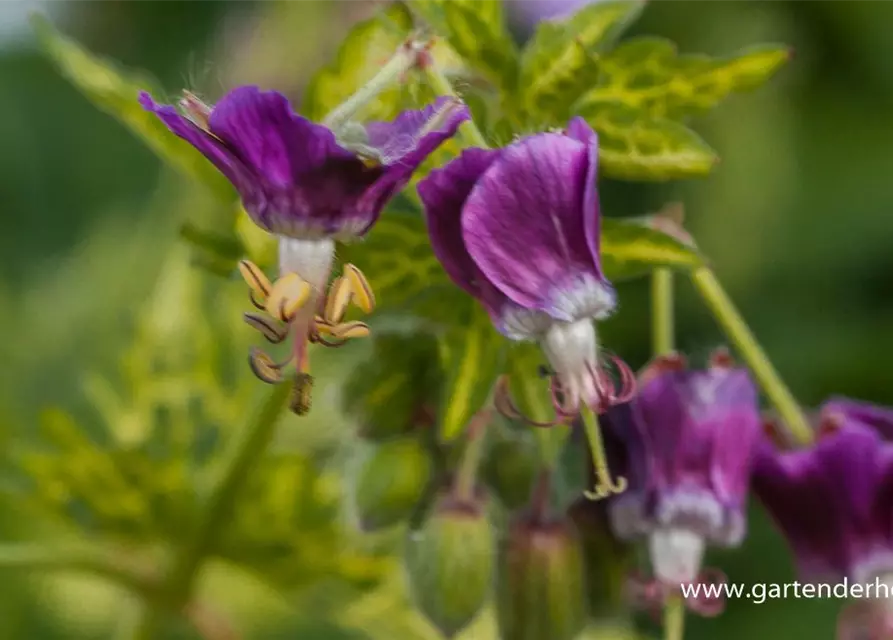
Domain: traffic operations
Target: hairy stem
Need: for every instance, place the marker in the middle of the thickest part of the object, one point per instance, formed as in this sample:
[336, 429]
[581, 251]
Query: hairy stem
[466, 476]
[662, 321]
[442, 87]
[404, 59]
[740, 334]
[219, 506]
[674, 618]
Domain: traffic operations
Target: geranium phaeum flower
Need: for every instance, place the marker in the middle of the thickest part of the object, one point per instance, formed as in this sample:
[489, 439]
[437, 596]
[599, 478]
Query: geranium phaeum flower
[692, 438]
[834, 504]
[310, 186]
[518, 229]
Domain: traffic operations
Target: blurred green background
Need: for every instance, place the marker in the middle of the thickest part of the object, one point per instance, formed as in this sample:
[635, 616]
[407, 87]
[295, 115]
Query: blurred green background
[795, 219]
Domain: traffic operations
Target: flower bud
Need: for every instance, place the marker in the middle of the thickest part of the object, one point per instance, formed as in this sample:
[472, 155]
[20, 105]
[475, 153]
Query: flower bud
[449, 563]
[389, 393]
[540, 582]
[510, 468]
[390, 481]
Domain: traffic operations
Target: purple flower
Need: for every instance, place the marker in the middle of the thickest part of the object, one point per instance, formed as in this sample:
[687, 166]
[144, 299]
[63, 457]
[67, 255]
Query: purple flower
[518, 229]
[834, 500]
[693, 434]
[528, 12]
[300, 179]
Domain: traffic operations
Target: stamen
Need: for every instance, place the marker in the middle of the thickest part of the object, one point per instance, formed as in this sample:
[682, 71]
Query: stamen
[649, 594]
[266, 327]
[337, 300]
[287, 296]
[363, 295]
[197, 111]
[502, 400]
[256, 279]
[608, 394]
[709, 602]
[350, 330]
[265, 368]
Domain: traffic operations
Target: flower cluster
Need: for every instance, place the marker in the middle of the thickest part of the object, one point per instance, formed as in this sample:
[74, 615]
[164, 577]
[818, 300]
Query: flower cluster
[518, 228]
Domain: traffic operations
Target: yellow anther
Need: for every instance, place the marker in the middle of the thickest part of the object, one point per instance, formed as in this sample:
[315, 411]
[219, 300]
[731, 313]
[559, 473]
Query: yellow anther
[266, 326]
[350, 330]
[363, 295]
[255, 278]
[337, 300]
[287, 296]
[264, 367]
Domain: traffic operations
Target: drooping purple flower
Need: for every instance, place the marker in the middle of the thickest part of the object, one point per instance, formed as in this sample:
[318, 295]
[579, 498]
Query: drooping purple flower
[300, 179]
[518, 229]
[834, 500]
[834, 503]
[689, 462]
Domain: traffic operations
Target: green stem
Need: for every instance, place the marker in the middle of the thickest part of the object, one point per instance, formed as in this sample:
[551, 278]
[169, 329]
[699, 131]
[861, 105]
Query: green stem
[404, 59]
[466, 476]
[604, 484]
[442, 87]
[211, 523]
[738, 332]
[662, 322]
[674, 618]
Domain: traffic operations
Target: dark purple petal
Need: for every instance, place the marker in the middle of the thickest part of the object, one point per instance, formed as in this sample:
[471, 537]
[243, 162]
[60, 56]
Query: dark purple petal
[269, 137]
[697, 432]
[833, 502]
[219, 155]
[878, 418]
[443, 194]
[524, 226]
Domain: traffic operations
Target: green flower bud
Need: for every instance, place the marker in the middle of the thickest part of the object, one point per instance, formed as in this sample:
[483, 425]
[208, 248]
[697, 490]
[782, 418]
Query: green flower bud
[449, 563]
[540, 584]
[511, 466]
[390, 393]
[607, 560]
[390, 481]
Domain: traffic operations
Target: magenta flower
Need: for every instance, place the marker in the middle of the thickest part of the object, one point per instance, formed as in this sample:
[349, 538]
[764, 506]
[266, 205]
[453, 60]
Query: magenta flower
[300, 179]
[518, 229]
[834, 503]
[693, 434]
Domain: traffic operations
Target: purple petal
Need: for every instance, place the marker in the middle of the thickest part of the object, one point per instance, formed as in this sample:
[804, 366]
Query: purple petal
[279, 145]
[524, 225]
[878, 418]
[443, 194]
[219, 155]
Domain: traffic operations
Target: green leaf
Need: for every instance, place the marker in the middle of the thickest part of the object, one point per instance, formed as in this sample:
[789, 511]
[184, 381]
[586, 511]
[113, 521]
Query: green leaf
[397, 259]
[559, 63]
[476, 31]
[647, 74]
[365, 49]
[635, 146]
[630, 250]
[115, 92]
[472, 357]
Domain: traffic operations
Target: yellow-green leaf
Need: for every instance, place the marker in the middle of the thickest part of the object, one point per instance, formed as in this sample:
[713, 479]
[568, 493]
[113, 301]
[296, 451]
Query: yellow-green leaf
[472, 356]
[115, 91]
[365, 49]
[648, 74]
[636, 146]
[630, 249]
[559, 63]
[476, 31]
[397, 259]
